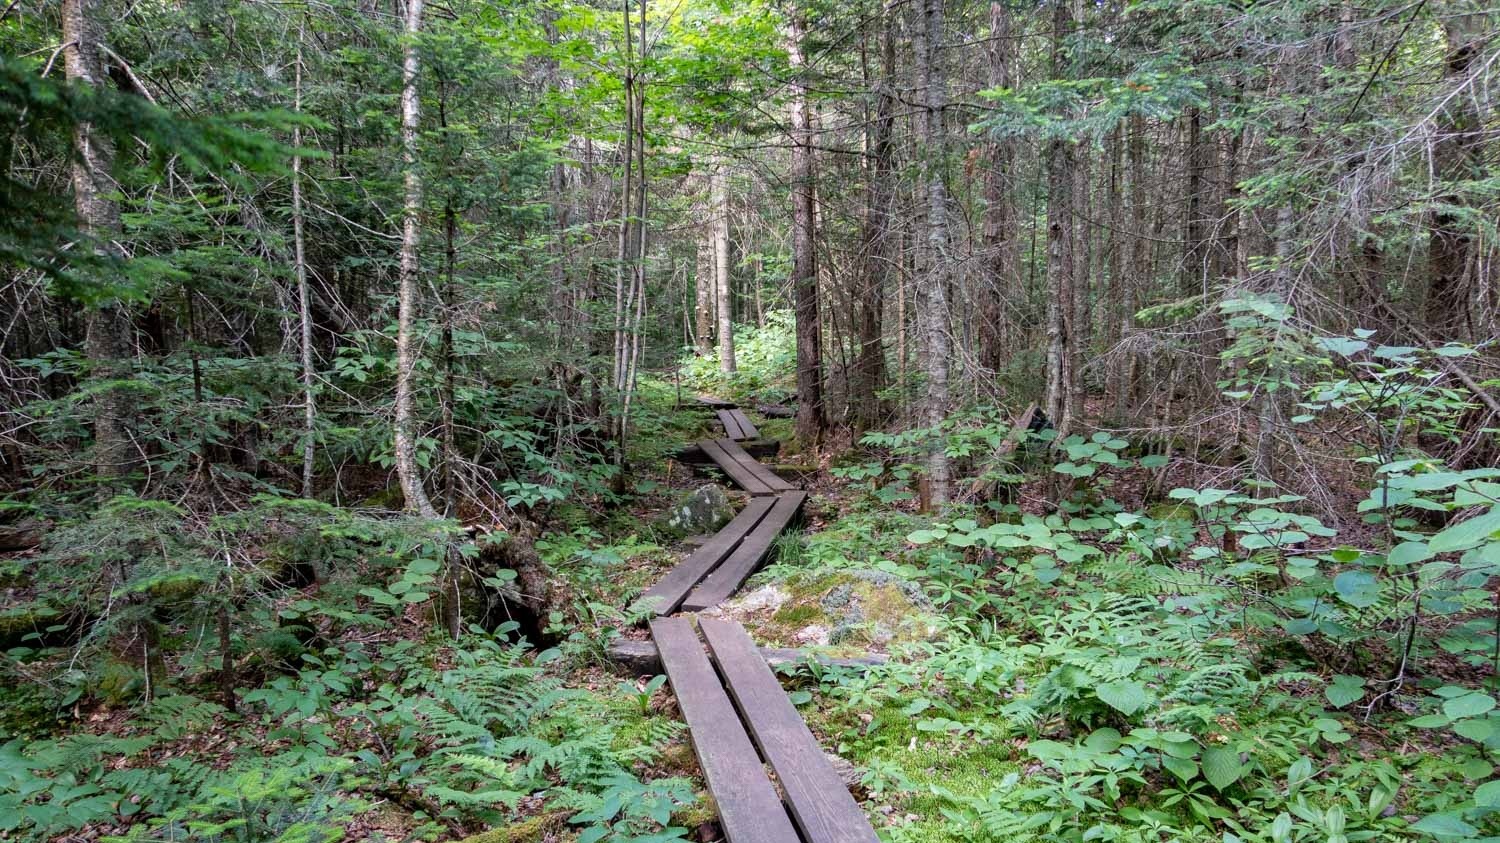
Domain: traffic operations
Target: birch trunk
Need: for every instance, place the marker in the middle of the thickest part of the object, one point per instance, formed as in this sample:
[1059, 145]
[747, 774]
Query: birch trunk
[720, 190]
[407, 469]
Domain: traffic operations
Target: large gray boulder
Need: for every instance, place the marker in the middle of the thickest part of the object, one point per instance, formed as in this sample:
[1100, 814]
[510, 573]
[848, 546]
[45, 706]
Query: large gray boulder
[701, 511]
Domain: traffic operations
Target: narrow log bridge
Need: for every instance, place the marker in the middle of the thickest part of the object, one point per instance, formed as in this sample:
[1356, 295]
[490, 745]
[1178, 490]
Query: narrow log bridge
[739, 718]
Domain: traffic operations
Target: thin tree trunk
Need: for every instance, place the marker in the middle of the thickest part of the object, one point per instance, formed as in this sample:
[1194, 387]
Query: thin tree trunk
[999, 213]
[407, 469]
[927, 43]
[304, 295]
[720, 191]
[878, 238]
[1059, 247]
[810, 414]
[704, 304]
[107, 333]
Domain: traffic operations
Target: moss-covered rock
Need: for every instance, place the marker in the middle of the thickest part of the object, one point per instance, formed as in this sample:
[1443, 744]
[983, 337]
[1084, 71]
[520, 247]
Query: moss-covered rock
[849, 608]
[701, 511]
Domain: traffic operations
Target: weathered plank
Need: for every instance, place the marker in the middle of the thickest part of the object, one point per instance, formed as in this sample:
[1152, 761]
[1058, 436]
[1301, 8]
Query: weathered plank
[766, 476]
[749, 809]
[730, 419]
[761, 449]
[741, 471]
[747, 427]
[731, 573]
[664, 597]
[640, 658]
[709, 402]
[820, 804]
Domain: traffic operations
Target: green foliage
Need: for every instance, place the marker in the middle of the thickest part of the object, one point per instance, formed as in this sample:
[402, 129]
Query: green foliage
[469, 732]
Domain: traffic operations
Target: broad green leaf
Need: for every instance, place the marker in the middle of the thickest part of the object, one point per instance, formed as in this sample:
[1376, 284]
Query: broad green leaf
[1488, 794]
[1409, 553]
[1221, 766]
[1468, 705]
[1125, 696]
[1466, 534]
[1344, 690]
[1357, 588]
[1444, 825]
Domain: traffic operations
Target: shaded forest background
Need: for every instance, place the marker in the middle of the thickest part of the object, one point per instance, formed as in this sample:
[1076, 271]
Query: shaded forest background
[323, 317]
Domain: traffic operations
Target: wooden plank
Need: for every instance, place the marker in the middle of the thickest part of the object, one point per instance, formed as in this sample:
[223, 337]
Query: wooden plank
[667, 594]
[747, 429]
[749, 809]
[742, 472]
[710, 402]
[747, 557]
[760, 449]
[819, 802]
[767, 477]
[640, 658]
[731, 423]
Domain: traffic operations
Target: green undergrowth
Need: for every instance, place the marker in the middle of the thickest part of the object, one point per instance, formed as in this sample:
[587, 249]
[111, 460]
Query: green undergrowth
[486, 734]
[1189, 672]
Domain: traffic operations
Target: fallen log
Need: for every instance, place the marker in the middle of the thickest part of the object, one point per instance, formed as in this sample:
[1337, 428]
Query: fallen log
[639, 658]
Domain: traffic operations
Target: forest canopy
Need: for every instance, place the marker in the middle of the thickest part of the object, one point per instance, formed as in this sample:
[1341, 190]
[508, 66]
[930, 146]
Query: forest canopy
[364, 365]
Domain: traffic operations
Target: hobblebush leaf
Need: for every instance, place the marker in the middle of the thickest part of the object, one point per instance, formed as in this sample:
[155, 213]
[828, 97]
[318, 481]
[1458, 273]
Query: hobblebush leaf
[1444, 826]
[1125, 696]
[1466, 534]
[1221, 766]
[1344, 690]
[1488, 794]
[1468, 705]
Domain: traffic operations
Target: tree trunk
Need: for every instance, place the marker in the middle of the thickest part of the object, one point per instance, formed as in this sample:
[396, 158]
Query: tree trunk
[107, 338]
[407, 469]
[927, 43]
[304, 296]
[810, 416]
[877, 239]
[1457, 158]
[999, 213]
[725, 295]
[704, 304]
[1059, 248]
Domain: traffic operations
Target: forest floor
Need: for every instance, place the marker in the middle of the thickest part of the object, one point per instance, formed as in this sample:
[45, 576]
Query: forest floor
[1068, 664]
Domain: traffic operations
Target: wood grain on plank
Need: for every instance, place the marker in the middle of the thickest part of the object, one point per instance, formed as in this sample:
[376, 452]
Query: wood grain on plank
[747, 428]
[820, 804]
[737, 567]
[730, 419]
[668, 593]
[749, 809]
[766, 476]
[741, 471]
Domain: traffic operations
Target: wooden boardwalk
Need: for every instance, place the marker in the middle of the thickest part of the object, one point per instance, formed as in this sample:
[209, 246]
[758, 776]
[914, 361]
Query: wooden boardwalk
[737, 425]
[739, 718]
[742, 468]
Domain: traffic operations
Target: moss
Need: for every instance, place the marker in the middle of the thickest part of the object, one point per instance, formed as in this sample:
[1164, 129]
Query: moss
[16, 624]
[959, 765]
[799, 615]
[1171, 512]
[530, 830]
[700, 812]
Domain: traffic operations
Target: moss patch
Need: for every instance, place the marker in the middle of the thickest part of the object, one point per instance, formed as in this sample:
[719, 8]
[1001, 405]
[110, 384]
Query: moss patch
[530, 830]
